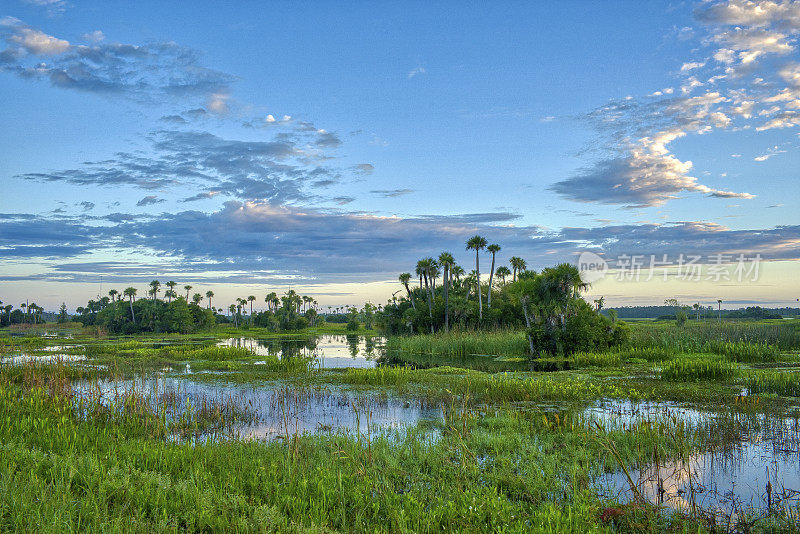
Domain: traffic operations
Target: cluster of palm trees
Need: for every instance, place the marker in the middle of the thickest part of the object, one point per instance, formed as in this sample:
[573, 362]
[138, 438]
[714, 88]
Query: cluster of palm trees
[428, 271]
[31, 311]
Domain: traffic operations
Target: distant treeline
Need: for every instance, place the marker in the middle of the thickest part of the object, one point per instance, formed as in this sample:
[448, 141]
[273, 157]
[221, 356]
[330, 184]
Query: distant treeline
[750, 312]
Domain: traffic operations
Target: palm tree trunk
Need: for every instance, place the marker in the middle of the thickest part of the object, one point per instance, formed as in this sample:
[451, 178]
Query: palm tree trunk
[528, 324]
[478, 276]
[430, 305]
[414, 306]
[491, 277]
[133, 317]
[446, 299]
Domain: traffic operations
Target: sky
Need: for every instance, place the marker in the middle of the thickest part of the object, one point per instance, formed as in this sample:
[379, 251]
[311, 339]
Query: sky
[249, 147]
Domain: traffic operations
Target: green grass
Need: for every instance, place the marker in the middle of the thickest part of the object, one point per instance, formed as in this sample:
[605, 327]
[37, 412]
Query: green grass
[67, 469]
[513, 452]
[695, 337]
[699, 367]
[463, 344]
[773, 382]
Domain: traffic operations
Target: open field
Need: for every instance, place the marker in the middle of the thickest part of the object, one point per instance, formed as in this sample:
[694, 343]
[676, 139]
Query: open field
[309, 432]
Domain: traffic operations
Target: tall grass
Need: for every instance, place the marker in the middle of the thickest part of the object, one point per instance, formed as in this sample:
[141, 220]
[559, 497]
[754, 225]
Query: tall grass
[688, 368]
[463, 344]
[483, 387]
[770, 381]
[62, 468]
[699, 337]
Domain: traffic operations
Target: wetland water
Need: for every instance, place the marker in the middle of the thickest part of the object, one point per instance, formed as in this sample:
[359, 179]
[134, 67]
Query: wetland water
[265, 411]
[329, 351]
[758, 468]
[755, 469]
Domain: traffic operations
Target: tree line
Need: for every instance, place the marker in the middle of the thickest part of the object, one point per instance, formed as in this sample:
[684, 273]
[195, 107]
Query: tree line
[547, 305]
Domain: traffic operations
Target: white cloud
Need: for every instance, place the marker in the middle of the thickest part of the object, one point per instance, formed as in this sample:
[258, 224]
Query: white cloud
[54, 7]
[791, 73]
[755, 13]
[725, 55]
[774, 151]
[686, 67]
[787, 119]
[744, 109]
[754, 43]
[94, 37]
[39, 43]
[218, 103]
[416, 71]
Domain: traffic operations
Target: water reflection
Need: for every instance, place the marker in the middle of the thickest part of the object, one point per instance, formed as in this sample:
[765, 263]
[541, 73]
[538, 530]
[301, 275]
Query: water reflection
[263, 412]
[329, 351]
[753, 468]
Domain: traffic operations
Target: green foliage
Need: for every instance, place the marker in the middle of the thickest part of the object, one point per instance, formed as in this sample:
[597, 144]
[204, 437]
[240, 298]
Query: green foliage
[461, 344]
[700, 367]
[63, 316]
[775, 382]
[153, 316]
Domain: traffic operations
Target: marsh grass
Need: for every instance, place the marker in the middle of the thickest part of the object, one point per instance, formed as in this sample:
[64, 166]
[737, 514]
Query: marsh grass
[483, 387]
[116, 469]
[700, 337]
[699, 367]
[774, 382]
[461, 344]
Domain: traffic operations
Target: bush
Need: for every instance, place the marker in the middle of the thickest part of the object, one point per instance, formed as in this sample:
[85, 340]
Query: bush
[585, 330]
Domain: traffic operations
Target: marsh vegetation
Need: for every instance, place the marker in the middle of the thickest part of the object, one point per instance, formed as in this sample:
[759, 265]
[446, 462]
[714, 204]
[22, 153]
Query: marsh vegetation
[526, 410]
[679, 428]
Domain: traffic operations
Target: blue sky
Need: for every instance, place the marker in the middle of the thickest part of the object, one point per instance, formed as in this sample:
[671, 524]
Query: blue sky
[328, 146]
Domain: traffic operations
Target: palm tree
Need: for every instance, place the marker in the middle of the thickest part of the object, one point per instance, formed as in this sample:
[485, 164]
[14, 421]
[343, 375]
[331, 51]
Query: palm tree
[719, 303]
[502, 272]
[457, 272]
[599, 303]
[196, 298]
[478, 243]
[209, 295]
[130, 292]
[154, 286]
[187, 288]
[518, 264]
[170, 294]
[420, 271]
[446, 261]
[270, 300]
[232, 309]
[113, 294]
[171, 285]
[251, 299]
[427, 267]
[405, 278]
[494, 249]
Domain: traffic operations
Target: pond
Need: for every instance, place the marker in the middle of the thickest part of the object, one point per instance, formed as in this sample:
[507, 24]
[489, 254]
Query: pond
[329, 351]
[265, 412]
[757, 470]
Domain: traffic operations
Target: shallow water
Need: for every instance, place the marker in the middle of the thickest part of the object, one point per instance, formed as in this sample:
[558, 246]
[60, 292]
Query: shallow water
[18, 359]
[266, 412]
[329, 351]
[759, 470]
